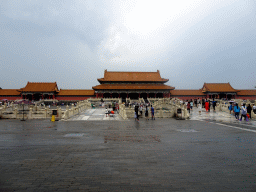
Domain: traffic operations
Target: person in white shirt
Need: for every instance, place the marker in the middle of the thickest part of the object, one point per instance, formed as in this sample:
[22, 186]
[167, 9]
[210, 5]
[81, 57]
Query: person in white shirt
[244, 112]
[200, 108]
[254, 108]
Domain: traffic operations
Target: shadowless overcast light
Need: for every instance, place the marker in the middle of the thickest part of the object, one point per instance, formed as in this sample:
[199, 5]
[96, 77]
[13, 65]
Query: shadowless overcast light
[72, 42]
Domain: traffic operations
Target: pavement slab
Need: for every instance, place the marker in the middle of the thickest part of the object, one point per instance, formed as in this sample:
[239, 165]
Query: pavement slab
[95, 115]
[159, 155]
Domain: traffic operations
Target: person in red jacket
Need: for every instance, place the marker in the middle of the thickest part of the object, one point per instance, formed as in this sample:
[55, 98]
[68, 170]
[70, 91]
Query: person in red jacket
[188, 107]
[206, 106]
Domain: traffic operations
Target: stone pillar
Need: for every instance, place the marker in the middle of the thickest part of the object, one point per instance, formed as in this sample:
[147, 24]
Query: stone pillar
[72, 109]
[15, 113]
[46, 112]
[30, 113]
[59, 111]
[161, 112]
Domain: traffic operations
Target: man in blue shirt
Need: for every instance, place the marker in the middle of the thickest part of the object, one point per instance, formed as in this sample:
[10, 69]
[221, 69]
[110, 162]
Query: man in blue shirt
[152, 112]
[237, 111]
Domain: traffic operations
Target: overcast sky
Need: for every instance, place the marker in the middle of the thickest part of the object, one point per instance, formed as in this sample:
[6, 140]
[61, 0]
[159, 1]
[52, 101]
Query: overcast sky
[72, 42]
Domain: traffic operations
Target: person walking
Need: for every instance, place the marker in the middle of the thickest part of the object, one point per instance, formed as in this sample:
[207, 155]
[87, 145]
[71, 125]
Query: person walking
[209, 105]
[206, 106]
[254, 108]
[146, 113]
[137, 111]
[195, 102]
[200, 108]
[135, 116]
[237, 111]
[249, 110]
[244, 112]
[141, 110]
[203, 103]
[152, 112]
[213, 104]
[199, 101]
[188, 107]
[191, 105]
[230, 108]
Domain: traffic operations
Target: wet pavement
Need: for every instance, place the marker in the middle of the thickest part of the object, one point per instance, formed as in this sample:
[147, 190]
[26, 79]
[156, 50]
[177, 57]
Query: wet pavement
[97, 114]
[157, 155]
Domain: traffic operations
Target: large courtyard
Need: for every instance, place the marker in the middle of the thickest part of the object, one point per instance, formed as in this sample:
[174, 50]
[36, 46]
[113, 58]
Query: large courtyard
[201, 154]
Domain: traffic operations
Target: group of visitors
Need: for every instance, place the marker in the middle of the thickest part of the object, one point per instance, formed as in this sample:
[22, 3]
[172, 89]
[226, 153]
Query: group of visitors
[139, 108]
[246, 111]
[197, 103]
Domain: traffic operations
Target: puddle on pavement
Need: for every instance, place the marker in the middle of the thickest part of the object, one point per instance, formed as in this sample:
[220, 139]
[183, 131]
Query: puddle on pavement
[187, 130]
[74, 135]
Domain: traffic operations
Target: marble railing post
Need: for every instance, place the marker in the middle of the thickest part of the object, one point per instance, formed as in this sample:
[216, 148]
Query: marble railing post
[45, 112]
[15, 113]
[72, 109]
[30, 113]
[59, 111]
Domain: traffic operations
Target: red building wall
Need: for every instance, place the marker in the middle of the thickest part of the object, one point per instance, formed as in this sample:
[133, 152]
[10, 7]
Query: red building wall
[10, 98]
[73, 98]
[188, 97]
[250, 97]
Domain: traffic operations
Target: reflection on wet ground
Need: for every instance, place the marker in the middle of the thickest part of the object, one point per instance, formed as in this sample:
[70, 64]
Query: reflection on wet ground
[160, 155]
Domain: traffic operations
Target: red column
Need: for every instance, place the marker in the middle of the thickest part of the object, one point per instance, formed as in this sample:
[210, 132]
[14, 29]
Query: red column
[147, 95]
[42, 96]
[53, 96]
[127, 95]
[119, 95]
[110, 95]
[139, 95]
[155, 95]
[97, 95]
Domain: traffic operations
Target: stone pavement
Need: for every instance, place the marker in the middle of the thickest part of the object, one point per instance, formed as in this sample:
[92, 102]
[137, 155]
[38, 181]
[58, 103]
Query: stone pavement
[94, 115]
[219, 117]
[160, 155]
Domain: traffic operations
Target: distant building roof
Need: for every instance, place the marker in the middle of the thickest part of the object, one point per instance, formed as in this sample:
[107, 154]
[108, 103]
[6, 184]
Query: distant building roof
[218, 87]
[75, 92]
[133, 86]
[251, 92]
[132, 77]
[186, 92]
[40, 87]
[9, 92]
